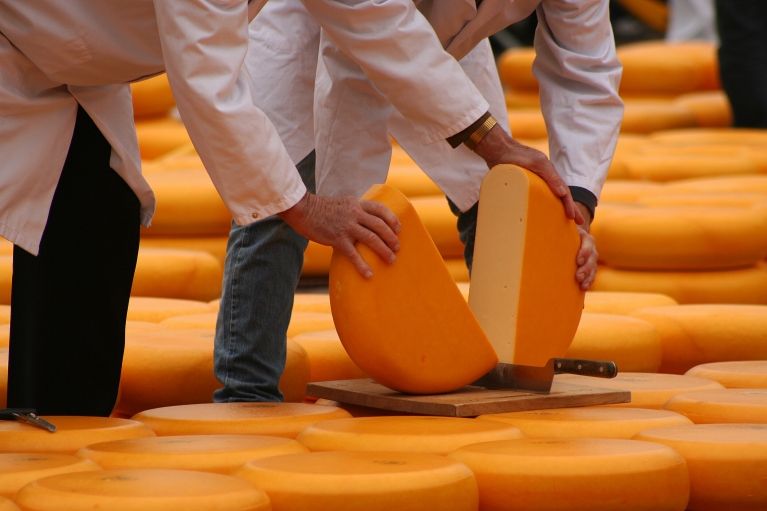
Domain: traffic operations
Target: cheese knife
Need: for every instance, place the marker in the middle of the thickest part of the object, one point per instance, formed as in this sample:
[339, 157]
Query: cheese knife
[539, 379]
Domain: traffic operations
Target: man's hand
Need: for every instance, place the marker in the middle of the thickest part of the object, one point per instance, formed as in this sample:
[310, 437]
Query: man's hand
[587, 255]
[339, 222]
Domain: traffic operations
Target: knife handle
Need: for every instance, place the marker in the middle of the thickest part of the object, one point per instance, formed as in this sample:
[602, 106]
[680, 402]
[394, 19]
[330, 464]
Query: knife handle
[595, 368]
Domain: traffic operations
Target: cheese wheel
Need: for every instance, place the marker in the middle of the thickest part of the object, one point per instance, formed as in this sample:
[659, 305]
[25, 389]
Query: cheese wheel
[72, 433]
[18, 469]
[515, 67]
[744, 406]
[5, 314]
[270, 419]
[698, 334]
[616, 302]
[711, 136]
[316, 260]
[5, 335]
[711, 108]
[588, 421]
[626, 191]
[743, 200]
[328, 360]
[142, 326]
[518, 99]
[727, 463]
[205, 321]
[458, 270]
[363, 481]
[311, 302]
[440, 222]
[734, 375]
[409, 179]
[154, 310]
[152, 97]
[296, 375]
[360, 411]
[7, 505]
[746, 285]
[632, 344]
[399, 156]
[647, 390]
[6, 277]
[157, 137]
[649, 116]
[527, 123]
[577, 473]
[302, 322]
[215, 245]
[662, 168]
[185, 274]
[183, 158]
[3, 377]
[6, 247]
[658, 67]
[408, 325]
[221, 454]
[141, 490]
[433, 435]
[523, 286]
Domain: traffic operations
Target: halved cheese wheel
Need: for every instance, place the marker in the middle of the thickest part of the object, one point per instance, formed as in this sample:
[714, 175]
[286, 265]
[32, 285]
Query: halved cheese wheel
[440, 222]
[185, 274]
[8, 505]
[316, 260]
[744, 406]
[711, 108]
[527, 123]
[408, 326]
[577, 473]
[154, 310]
[215, 245]
[515, 67]
[734, 375]
[523, 286]
[711, 136]
[6, 277]
[5, 314]
[588, 421]
[221, 454]
[434, 435]
[363, 481]
[662, 168]
[141, 490]
[458, 270]
[647, 390]
[650, 116]
[302, 322]
[743, 200]
[328, 359]
[616, 302]
[311, 302]
[157, 137]
[3, 377]
[18, 469]
[205, 321]
[409, 179]
[270, 419]
[626, 191]
[634, 345]
[698, 334]
[658, 67]
[726, 463]
[152, 97]
[72, 433]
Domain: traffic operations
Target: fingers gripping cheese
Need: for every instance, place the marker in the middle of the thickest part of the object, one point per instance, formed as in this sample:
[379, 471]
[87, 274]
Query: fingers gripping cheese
[523, 287]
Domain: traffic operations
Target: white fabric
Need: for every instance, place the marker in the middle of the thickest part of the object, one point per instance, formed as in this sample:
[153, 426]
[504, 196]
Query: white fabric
[54, 55]
[690, 20]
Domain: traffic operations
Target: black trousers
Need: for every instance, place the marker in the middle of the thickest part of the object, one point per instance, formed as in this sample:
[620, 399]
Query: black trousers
[742, 28]
[69, 303]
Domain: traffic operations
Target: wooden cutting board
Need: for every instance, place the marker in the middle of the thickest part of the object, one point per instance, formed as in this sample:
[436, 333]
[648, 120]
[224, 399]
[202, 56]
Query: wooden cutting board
[466, 402]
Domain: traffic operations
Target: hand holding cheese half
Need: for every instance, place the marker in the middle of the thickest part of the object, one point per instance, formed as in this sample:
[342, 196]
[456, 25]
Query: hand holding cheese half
[408, 327]
[523, 288]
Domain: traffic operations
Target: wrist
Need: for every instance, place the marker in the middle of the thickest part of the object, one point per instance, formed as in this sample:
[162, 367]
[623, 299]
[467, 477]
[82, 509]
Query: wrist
[586, 213]
[494, 145]
[297, 211]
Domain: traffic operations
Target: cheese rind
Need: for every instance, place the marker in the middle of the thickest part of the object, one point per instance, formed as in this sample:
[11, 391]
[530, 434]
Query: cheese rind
[328, 360]
[620, 302]
[744, 406]
[746, 374]
[18, 469]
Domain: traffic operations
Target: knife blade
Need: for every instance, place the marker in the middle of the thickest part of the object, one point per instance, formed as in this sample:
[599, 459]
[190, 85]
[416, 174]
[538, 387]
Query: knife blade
[540, 379]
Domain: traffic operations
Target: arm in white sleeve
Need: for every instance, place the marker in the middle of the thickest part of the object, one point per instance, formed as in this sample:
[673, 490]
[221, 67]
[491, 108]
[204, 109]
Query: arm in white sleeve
[204, 43]
[579, 74]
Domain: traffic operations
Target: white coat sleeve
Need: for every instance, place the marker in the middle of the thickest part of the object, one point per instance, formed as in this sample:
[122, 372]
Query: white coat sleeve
[204, 44]
[579, 74]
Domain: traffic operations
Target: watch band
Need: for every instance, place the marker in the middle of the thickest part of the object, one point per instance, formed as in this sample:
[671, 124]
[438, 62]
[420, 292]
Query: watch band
[480, 133]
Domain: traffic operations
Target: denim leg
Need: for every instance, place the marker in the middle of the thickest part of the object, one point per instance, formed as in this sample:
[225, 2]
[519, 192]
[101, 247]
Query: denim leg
[467, 229]
[263, 264]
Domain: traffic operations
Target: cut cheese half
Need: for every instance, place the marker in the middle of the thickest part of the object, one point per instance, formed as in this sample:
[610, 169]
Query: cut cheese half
[744, 406]
[328, 359]
[734, 375]
[617, 302]
[154, 310]
[408, 326]
[523, 287]
[18, 469]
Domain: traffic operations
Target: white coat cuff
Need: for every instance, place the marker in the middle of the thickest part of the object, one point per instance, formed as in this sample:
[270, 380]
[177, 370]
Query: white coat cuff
[448, 131]
[287, 201]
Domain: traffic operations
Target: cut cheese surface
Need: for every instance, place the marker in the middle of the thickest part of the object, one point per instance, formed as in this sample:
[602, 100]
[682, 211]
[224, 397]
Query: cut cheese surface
[363, 481]
[726, 463]
[172, 273]
[328, 360]
[745, 406]
[523, 286]
[72, 433]
[311, 302]
[154, 310]
[434, 435]
[734, 375]
[408, 326]
[647, 390]
[141, 490]
[577, 473]
[220, 454]
[270, 419]
[617, 302]
[18, 469]
[697, 334]
[588, 421]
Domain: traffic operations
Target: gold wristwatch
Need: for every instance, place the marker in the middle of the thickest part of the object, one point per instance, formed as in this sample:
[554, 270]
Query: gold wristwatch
[480, 133]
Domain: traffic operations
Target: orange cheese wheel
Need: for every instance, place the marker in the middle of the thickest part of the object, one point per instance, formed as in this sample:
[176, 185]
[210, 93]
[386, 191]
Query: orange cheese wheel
[18, 469]
[726, 463]
[515, 67]
[433, 435]
[141, 326]
[359, 411]
[328, 360]
[72, 433]
[154, 310]
[711, 136]
[745, 374]
[215, 245]
[7, 505]
[185, 274]
[311, 302]
[6, 247]
[5, 335]
[296, 375]
[205, 321]
[698, 334]
[711, 108]
[632, 344]
[650, 116]
[577, 473]
[626, 191]
[3, 377]
[458, 270]
[363, 481]
[316, 260]
[440, 222]
[221, 454]
[407, 325]
[743, 200]
[647, 390]
[141, 490]
[658, 67]
[527, 123]
[616, 302]
[522, 100]
[588, 421]
[302, 322]
[157, 137]
[5, 314]
[409, 179]
[399, 156]
[152, 97]
[662, 168]
[270, 419]
[744, 406]
[6, 277]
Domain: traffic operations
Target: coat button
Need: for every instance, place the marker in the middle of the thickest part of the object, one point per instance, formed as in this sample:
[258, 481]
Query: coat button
[254, 215]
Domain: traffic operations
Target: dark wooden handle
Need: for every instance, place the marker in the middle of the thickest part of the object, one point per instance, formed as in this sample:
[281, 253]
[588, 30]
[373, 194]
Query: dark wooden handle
[596, 368]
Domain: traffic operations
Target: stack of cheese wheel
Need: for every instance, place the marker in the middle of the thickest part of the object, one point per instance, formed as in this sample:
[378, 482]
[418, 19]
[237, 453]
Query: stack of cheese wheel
[434, 435]
[363, 481]
[727, 463]
[734, 375]
[588, 421]
[7, 505]
[270, 419]
[648, 116]
[406, 176]
[527, 123]
[739, 406]
[711, 136]
[698, 334]
[144, 490]
[18, 469]
[711, 108]
[6, 276]
[440, 222]
[170, 273]
[626, 192]
[72, 434]
[316, 260]
[647, 390]
[212, 245]
[157, 137]
[577, 473]
[154, 310]
[328, 360]
[152, 98]
[627, 146]
[607, 302]
[311, 302]
[220, 454]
